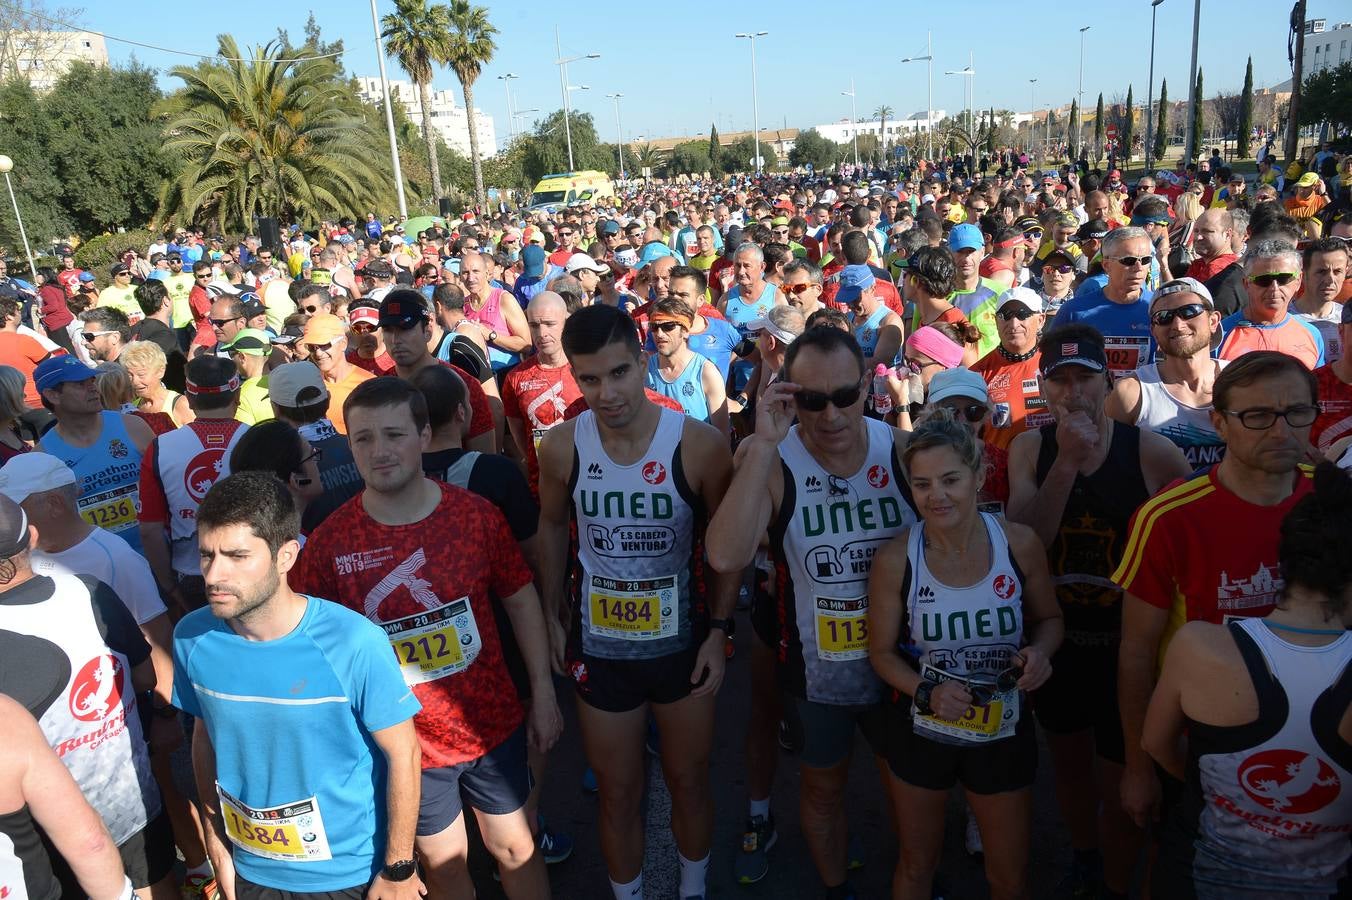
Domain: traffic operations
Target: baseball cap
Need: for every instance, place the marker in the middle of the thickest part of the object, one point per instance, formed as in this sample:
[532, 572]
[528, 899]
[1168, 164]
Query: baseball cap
[1094, 229]
[1072, 353]
[323, 328]
[1061, 252]
[57, 370]
[532, 261]
[33, 473]
[87, 277]
[251, 341]
[627, 257]
[297, 384]
[365, 315]
[1027, 296]
[1309, 179]
[290, 334]
[211, 374]
[379, 268]
[854, 280]
[928, 198]
[610, 226]
[118, 269]
[956, 382]
[579, 261]
[965, 237]
[1184, 285]
[787, 314]
[402, 308]
[251, 305]
[652, 252]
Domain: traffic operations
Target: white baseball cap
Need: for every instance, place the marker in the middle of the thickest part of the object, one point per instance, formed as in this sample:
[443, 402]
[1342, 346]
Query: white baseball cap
[33, 473]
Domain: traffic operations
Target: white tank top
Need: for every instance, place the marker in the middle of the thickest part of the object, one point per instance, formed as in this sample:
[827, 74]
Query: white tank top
[969, 633]
[188, 461]
[636, 545]
[1188, 427]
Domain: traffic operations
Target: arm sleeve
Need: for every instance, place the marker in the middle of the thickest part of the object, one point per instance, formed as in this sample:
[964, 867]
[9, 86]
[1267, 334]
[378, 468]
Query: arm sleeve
[380, 698]
[154, 505]
[115, 623]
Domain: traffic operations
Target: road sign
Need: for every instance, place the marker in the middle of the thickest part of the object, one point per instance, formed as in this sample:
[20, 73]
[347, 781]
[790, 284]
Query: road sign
[1111, 132]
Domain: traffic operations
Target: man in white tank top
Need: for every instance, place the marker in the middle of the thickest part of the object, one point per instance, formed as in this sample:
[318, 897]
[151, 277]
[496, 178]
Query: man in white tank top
[1172, 396]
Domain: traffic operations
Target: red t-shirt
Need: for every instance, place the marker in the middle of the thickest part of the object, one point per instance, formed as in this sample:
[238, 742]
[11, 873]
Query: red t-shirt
[199, 301]
[1335, 409]
[482, 418]
[1204, 554]
[1016, 397]
[431, 585]
[720, 277]
[23, 353]
[538, 397]
[376, 365]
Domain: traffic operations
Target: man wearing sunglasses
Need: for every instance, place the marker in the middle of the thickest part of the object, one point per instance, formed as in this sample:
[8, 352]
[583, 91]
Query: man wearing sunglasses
[680, 373]
[1172, 396]
[1011, 369]
[828, 491]
[1120, 307]
[105, 332]
[1272, 276]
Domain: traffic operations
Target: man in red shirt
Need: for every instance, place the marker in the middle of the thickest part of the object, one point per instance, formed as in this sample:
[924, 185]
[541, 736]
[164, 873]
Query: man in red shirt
[536, 393]
[367, 350]
[1011, 369]
[199, 300]
[19, 350]
[1335, 393]
[427, 561]
[567, 235]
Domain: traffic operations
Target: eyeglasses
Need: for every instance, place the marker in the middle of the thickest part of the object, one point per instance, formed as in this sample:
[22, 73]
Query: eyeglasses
[1187, 312]
[319, 348]
[316, 453]
[202, 275]
[176, 262]
[1019, 312]
[797, 289]
[1266, 279]
[917, 366]
[221, 323]
[362, 328]
[815, 401]
[1131, 260]
[120, 274]
[89, 336]
[1259, 419]
[310, 309]
[972, 412]
[1062, 268]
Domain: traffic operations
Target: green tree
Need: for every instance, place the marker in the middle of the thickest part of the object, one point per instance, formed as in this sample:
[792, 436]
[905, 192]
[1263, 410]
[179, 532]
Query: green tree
[647, 157]
[1098, 130]
[1245, 126]
[1073, 131]
[25, 133]
[715, 151]
[1128, 130]
[1326, 96]
[314, 40]
[811, 148]
[1197, 117]
[737, 156]
[1162, 122]
[471, 48]
[882, 114]
[418, 36]
[269, 135]
[688, 158]
[547, 148]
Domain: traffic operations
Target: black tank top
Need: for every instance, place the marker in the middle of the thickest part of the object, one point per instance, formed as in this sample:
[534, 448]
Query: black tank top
[22, 856]
[1092, 536]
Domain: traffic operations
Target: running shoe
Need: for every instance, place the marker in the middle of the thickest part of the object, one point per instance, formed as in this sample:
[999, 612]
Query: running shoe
[199, 887]
[1084, 881]
[753, 861]
[554, 847]
[589, 781]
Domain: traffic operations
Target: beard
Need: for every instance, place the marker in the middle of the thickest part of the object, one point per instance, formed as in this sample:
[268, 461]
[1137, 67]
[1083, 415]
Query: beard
[247, 602]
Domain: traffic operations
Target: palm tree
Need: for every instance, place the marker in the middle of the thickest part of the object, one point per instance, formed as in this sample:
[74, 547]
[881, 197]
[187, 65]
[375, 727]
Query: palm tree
[419, 36]
[273, 135]
[647, 157]
[881, 114]
[470, 48]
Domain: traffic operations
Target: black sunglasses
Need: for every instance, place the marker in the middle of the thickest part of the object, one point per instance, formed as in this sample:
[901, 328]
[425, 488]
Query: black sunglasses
[1060, 267]
[664, 327]
[221, 323]
[972, 412]
[1019, 312]
[815, 401]
[1187, 312]
[1131, 260]
[1267, 278]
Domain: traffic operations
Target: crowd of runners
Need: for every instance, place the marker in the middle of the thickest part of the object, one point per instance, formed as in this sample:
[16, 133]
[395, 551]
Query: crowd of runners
[985, 458]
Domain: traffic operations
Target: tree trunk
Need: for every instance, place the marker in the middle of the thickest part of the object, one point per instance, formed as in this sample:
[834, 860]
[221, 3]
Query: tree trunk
[480, 197]
[430, 137]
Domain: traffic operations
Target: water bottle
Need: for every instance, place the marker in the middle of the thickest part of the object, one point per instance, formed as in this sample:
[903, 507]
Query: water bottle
[882, 400]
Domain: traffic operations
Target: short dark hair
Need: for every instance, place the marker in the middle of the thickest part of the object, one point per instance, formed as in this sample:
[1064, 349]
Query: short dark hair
[108, 318]
[387, 390]
[272, 446]
[443, 391]
[823, 339]
[933, 269]
[855, 248]
[313, 290]
[256, 499]
[1324, 245]
[690, 272]
[449, 296]
[1314, 536]
[151, 295]
[826, 317]
[1256, 366]
[592, 328]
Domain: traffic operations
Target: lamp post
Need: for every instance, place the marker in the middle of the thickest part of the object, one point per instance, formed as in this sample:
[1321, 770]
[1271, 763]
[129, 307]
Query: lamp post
[1194, 101]
[511, 119]
[1032, 110]
[755, 97]
[389, 116]
[1149, 92]
[854, 120]
[6, 166]
[970, 74]
[929, 92]
[619, 131]
[1079, 108]
[564, 87]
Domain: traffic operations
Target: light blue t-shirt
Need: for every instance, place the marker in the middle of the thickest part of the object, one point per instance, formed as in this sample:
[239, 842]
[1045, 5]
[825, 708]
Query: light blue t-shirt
[687, 389]
[291, 722]
[1125, 327]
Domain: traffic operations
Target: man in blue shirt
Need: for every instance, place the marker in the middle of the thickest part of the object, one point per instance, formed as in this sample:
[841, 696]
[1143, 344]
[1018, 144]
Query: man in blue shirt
[1120, 308]
[306, 759]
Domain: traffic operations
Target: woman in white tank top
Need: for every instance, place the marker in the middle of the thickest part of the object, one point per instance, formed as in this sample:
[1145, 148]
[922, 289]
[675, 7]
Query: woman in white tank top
[962, 621]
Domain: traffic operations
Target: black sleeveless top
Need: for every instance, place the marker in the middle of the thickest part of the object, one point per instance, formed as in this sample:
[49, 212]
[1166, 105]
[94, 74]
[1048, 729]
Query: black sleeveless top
[1092, 536]
[21, 851]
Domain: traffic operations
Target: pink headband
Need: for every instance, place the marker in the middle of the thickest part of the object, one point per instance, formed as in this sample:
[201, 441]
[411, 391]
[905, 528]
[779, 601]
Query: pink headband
[936, 345]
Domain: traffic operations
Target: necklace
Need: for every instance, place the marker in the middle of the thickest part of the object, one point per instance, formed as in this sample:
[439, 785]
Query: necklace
[1296, 630]
[1015, 357]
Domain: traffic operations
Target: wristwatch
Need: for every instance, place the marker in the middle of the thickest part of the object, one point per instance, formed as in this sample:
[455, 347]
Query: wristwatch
[402, 870]
[921, 698]
[727, 626]
[492, 337]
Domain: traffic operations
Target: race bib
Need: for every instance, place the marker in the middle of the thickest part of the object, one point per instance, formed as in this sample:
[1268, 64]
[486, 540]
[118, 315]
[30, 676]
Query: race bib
[643, 610]
[1125, 353]
[994, 721]
[436, 643]
[293, 832]
[537, 435]
[842, 628]
[112, 510]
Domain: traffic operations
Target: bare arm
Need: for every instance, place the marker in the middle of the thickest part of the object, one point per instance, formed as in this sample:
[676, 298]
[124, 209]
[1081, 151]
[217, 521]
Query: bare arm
[1044, 626]
[1161, 461]
[885, 606]
[1124, 401]
[705, 451]
[556, 461]
[403, 758]
[138, 431]
[1038, 506]
[528, 623]
[889, 342]
[518, 338]
[213, 827]
[1162, 735]
[716, 395]
[1142, 628]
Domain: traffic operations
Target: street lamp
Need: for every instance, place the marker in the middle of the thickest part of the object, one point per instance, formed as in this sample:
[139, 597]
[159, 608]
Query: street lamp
[755, 97]
[562, 62]
[929, 92]
[1079, 109]
[6, 166]
[1032, 114]
[854, 120]
[970, 74]
[1149, 93]
[619, 131]
[511, 119]
[389, 116]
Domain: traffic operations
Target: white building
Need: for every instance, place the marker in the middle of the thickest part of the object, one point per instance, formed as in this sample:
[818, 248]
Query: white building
[844, 131]
[448, 117]
[42, 57]
[1326, 46]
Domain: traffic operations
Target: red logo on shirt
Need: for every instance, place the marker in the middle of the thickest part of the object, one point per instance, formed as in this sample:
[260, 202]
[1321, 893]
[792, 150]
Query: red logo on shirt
[1289, 781]
[654, 472]
[1003, 587]
[878, 477]
[201, 473]
[96, 690]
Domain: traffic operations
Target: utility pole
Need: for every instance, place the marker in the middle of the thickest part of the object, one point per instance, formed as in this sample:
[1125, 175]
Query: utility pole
[1297, 73]
[1194, 101]
[1149, 96]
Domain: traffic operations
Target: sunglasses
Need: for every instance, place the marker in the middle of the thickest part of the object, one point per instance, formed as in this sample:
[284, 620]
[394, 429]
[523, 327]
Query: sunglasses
[1019, 312]
[815, 401]
[362, 328]
[797, 289]
[1268, 278]
[202, 275]
[1131, 260]
[310, 309]
[983, 692]
[973, 412]
[89, 336]
[1187, 312]
[319, 348]
[221, 323]
[666, 327]
[1061, 268]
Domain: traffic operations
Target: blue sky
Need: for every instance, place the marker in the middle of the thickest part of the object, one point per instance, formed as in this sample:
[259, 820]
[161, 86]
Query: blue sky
[680, 68]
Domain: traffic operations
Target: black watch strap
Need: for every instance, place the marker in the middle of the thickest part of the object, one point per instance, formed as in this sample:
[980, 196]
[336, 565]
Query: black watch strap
[401, 870]
[921, 698]
[727, 626]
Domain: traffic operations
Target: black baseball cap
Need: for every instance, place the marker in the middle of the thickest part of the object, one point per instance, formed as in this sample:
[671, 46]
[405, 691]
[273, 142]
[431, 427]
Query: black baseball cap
[402, 308]
[1073, 353]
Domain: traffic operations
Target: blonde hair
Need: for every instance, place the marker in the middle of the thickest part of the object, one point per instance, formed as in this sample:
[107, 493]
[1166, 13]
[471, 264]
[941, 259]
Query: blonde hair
[143, 355]
[1188, 207]
[11, 394]
[114, 384]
